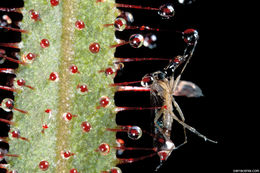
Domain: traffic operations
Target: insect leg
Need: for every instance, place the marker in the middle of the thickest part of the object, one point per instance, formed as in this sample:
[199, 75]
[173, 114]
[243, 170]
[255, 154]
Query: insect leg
[191, 129]
[182, 119]
[188, 52]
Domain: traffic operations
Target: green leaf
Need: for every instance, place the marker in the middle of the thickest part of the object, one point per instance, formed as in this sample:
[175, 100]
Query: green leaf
[68, 46]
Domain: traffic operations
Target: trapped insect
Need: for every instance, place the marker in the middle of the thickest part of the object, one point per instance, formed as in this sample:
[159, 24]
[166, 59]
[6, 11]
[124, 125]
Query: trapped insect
[163, 87]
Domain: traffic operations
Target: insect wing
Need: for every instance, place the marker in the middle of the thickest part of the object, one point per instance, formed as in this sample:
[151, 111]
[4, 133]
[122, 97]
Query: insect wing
[188, 89]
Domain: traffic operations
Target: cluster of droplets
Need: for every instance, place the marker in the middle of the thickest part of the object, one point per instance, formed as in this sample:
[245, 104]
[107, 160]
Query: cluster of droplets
[137, 40]
[122, 22]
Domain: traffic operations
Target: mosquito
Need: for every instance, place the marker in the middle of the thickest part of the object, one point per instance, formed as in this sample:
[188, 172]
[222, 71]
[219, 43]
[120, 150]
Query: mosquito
[163, 87]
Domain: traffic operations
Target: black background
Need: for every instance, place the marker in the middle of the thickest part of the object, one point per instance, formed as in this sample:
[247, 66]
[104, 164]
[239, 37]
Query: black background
[227, 112]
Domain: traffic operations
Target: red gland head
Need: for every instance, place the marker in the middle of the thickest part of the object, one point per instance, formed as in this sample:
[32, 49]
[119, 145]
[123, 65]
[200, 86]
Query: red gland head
[44, 165]
[104, 148]
[54, 2]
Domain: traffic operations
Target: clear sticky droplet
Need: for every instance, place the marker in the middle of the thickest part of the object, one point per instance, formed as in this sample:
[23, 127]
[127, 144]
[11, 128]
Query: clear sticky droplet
[120, 143]
[120, 24]
[134, 132]
[166, 11]
[18, 83]
[115, 170]
[7, 104]
[136, 40]
[127, 16]
[150, 41]
[190, 36]
[147, 80]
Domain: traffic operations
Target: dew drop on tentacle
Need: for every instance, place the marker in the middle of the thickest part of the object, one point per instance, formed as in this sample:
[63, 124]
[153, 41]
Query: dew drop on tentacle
[120, 24]
[104, 148]
[166, 11]
[80, 24]
[120, 143]
[128, 17]
[45, 43]
[15, 134]
[5, 21]
[109, 71]
[115, 170]
[35, 15]
[150, 41]
[82, 89]
[66, 154]
[54, 2]
[94, 47]
[54, 76]
[29, 58]
[47, 111]
[20, 83]
[190, 36]
[44, 165]
[85, 126]
[73, 170]
[104, 101]
[74, 69]
[45, 126]
[68, 116]
[134, 132]
[7, 104]
[147, 80]
[136, 40]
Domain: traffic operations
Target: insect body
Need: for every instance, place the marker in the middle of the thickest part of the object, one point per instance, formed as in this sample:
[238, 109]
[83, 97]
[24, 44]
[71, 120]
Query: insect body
[163, 87]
